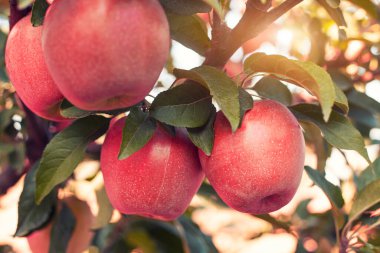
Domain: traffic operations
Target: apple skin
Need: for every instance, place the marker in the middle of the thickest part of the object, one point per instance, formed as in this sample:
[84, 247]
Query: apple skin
[39, 241]
[28, 73]
[109, 53]
[258, 168]
[158, 181]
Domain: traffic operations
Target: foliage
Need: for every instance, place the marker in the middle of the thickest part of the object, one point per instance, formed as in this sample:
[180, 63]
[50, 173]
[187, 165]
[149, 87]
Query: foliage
[336, 114]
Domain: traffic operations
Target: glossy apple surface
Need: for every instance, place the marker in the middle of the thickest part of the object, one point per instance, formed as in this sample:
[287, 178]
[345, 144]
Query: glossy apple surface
[105, 54]
[28, 73]
[258, 168]
[158, 181]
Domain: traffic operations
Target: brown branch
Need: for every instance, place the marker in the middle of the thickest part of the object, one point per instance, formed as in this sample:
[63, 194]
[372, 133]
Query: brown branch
[254, 21]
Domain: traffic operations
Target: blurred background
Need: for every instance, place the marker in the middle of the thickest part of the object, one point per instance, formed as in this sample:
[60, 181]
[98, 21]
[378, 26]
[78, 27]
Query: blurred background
[350, 53]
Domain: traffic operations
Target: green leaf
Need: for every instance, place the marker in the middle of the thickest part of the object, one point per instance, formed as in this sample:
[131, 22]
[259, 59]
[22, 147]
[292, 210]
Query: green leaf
[153, 236]
[365, 199]
[371, 8]
[313, 137]
[72, 112]
[38, 12]
[333, 192]
[343, 81]
[186, 105]
[65, 151]
[304, 74]
[338, 131]
[203, 137]
[185, 7]
[362, 100]
[370, 174]
[222, 88]
[245, 101]
[105, 209]
[273, 89]
[30, 215]
[62, 230]
[197, 241]
[190, 31]
[68, 110]
[138, 130]
[3, 73]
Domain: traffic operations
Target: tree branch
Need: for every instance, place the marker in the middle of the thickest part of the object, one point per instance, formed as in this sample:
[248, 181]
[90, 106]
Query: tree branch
[254, 21]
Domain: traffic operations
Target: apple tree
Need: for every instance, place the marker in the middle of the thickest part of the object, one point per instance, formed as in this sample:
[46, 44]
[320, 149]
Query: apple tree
[87, 113]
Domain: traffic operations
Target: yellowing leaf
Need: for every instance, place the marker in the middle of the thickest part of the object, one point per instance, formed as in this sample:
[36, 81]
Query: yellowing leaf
[304, 74]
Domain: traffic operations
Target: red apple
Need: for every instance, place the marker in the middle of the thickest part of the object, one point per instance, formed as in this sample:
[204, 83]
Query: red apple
[39, 241]
[105, 54]
[28, 73]
[158, 181]
[258, 168]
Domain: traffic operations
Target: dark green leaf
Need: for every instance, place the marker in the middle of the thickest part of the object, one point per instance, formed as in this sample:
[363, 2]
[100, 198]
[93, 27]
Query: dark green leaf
[30, 215]
[362, 117]
[62, 230]
[245, 101]
[38, 12]
[197, 241]
[185, 7]
[362, 100]
[209, 193]
[274, 89]
[186, 105]
[154, 236]
[333, 192]
[138, 130]
[343, 81]
[365, 199]
[203, 137]
[222, 88]
[370, 174]
[313, 136]
[304, 74]
[72, 112]
[3, 73]
[190, 31]
[338, 131]
[65, 151]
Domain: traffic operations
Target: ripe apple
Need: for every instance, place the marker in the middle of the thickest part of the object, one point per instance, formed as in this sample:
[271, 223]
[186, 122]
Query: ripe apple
[105, 54]
[158, 181]
[258, 168]
[39, 241]
[28, 73]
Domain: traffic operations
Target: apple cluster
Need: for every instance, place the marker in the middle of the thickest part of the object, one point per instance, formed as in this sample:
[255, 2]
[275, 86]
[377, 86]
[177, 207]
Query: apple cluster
[104, 55]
